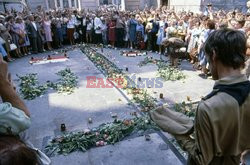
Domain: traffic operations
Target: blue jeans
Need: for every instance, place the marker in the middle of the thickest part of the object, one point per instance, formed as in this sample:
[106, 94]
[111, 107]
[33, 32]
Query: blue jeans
[203, 58]
[3, 51]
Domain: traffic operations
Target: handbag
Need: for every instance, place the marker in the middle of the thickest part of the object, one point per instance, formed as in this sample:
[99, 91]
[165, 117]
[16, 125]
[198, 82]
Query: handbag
[13, 46]
[142, 45]
[21, 41]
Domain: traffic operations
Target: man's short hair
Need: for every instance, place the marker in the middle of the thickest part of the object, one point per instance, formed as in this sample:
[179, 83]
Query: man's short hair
[229, 46]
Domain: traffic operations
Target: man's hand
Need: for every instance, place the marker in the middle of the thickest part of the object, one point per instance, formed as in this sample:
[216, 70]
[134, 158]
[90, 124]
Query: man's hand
[3, 72]
[7, 91]
[11, 82]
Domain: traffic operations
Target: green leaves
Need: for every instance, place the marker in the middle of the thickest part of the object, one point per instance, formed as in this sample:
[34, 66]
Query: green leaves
[148, 60]
[145, 101]
[169, 73]
[30, 88]
[67, 82]
[107, 133]
[165, 71]
[188, 109]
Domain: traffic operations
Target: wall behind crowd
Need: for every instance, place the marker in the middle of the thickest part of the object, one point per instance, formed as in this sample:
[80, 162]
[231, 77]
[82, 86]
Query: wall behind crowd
[225, 4]
[200, 5]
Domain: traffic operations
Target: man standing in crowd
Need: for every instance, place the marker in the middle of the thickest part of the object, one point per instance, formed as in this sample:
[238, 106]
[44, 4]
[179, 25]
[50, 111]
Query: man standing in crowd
[34, 35]
[98, 29]
[120, 25]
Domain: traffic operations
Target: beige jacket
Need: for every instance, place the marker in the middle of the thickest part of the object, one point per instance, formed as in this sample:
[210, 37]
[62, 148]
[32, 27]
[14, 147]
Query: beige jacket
[221, 127]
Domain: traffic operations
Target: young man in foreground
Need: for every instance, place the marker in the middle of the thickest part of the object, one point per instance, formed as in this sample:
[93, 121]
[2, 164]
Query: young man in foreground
[221, 128]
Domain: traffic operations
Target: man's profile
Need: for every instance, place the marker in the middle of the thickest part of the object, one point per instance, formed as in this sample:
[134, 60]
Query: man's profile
[221, 126]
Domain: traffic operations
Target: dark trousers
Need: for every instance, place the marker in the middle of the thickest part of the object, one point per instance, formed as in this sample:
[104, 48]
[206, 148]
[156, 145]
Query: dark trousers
[98, 38]
[83, 35]
[119, 37]
[149, 42]
[153, 41]
[36, 44]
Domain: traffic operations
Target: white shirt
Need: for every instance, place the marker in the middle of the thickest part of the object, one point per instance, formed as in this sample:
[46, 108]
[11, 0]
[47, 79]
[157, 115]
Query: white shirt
[98, 25]
[71, 24]
[84, 22]
[90, 26]
[34, 24]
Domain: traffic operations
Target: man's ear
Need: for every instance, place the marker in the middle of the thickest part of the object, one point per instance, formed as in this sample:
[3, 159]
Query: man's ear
[214, 56]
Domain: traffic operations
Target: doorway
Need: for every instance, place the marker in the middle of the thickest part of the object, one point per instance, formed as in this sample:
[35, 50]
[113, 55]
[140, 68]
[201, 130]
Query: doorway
[105, 2]
[164, 2]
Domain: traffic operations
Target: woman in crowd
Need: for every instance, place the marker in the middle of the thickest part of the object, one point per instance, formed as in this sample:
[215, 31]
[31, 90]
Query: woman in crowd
[71, 29]
[89, 30]
[126, 31]
[161, 33]
[104, 31]
[140, 35]
[6, 37]
[47, 31]
[132, 30]
[193, 35]
[111, 27]
[23, 38]
[41, 33]
[59, 32]
[14, 31]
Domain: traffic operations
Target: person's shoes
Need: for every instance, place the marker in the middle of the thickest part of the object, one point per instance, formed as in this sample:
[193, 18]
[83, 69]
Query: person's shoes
[7, 59]
[10, 59]
[210, 77]
[203, 75]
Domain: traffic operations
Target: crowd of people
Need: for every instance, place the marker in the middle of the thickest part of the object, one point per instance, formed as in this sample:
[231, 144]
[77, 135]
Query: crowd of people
[221, 124]
[25, 33]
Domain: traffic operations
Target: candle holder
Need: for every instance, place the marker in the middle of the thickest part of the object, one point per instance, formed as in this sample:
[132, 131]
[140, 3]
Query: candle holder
[102, 48]
[114, 115]
[90, 120]
[49, 57]
[63, 127]
[147, 137]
